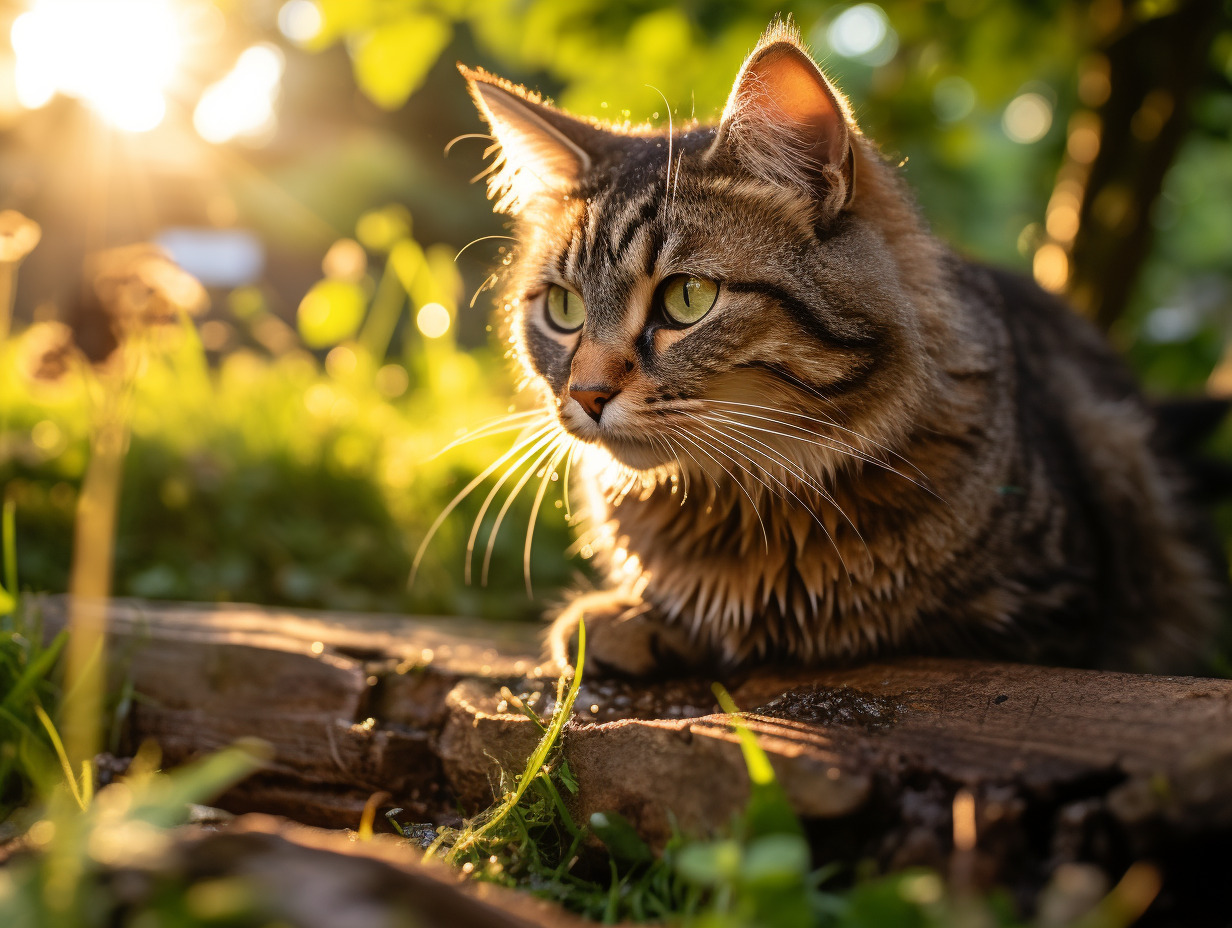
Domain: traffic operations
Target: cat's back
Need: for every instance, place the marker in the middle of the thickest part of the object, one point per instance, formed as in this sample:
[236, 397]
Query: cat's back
[1086, 439]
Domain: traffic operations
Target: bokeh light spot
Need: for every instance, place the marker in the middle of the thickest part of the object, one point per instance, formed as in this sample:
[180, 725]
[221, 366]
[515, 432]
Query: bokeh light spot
[392, 381]
[858, 30]
[1028, 118]
[300, 20]
[432, 320]
[1051, 267]
[953, 99]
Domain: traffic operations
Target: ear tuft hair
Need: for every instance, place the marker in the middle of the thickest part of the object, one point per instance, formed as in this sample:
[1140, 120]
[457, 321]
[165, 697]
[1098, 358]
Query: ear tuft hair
[542, 151]
[785, 123]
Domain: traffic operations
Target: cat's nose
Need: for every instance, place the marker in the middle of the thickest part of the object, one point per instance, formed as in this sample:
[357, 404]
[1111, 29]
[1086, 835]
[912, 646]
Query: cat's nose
[593, 398]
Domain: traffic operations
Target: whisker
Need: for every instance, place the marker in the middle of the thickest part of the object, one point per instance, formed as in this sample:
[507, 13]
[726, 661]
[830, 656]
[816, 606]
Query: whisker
[504, 510]
[675, 184]
[492, 427]
[462, 494]
[482, 238]
[834, 443]
[698, 441]
[487, 502]
[829, 423]
[469, 135]
[792, 468]
[723, 434]
[550, 469]
[810, 438]
[667, 178]
[682, 472]
[573, 450]
[489, 281]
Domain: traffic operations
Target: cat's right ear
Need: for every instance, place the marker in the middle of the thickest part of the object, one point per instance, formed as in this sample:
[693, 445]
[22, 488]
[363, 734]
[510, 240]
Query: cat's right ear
[786, 123]
[542, 150]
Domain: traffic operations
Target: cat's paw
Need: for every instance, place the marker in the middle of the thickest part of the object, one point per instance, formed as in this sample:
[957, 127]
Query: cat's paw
[624, 638]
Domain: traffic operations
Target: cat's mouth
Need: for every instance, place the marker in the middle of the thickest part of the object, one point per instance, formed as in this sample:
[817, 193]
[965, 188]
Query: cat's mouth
[627, 438]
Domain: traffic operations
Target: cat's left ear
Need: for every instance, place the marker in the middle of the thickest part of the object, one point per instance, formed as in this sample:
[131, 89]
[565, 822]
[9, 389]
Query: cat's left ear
[542, 150]
[785, 123]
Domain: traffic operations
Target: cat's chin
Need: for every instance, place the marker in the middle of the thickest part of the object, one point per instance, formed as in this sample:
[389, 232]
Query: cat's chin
[635, 455]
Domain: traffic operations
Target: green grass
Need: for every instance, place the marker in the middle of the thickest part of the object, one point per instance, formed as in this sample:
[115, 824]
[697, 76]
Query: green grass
[279, 480]
[28, 740]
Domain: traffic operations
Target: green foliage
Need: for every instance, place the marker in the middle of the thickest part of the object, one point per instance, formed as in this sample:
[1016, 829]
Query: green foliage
[27, 662]
[126, 825]
[282, 479]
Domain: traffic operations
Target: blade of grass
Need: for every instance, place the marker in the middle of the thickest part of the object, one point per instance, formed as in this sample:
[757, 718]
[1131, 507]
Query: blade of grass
[56, 743]
[8, 539]
[36, 671]
[564, 708]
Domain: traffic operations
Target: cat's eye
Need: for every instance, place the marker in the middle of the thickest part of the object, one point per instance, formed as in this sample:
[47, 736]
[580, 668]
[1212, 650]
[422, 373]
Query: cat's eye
[686, 299]
[566, 311]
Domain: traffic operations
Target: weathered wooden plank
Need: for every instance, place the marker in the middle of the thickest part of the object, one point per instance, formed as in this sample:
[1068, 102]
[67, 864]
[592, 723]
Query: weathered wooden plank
[317, 879]
[1063, 765]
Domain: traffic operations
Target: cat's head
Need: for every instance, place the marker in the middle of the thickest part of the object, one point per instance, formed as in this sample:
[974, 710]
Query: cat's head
[717, 293]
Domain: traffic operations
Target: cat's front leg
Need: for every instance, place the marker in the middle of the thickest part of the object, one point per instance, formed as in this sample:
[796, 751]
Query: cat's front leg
[625, 636]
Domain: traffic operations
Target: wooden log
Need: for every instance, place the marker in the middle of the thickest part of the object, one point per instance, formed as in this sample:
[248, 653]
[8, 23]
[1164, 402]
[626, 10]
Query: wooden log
[1060, 765]
[310, 878]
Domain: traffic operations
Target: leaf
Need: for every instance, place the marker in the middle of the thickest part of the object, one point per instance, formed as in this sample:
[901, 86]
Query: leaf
[330, 312]
[620, 838]
[776, 861]
[407, 259]
[392, 60]
[709, 864]
[165, 798]
[382, 229]
[769, 811]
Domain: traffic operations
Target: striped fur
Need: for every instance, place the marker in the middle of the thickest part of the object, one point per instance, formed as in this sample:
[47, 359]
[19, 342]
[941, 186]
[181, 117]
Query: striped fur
[868, 445]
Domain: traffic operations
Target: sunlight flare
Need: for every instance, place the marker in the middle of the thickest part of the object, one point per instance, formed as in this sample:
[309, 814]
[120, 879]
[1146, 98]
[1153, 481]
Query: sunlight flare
[118, 57]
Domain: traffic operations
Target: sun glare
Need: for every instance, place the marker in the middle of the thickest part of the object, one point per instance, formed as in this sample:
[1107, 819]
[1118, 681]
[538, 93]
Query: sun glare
[116, 56]
[241, 105]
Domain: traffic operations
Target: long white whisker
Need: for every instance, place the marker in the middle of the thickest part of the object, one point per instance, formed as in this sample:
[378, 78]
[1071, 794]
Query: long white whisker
[698, 441]
[482, 238]
[792, 468]
[462, 494]
[493, 427]
[829, 423]
[682, 473]
[667, 178]
[573, 450]
[489, 281]
[548, 471]
[722, 434]
[504, 510]
[833, 443]
[487, 502]
[469, 135]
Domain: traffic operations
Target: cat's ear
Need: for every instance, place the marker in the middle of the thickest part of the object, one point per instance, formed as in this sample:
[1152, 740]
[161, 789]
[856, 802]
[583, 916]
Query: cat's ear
[542, 150]
[784, 122]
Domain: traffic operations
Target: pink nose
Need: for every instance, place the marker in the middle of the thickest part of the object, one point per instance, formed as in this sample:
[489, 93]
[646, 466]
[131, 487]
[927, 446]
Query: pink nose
[593, 398]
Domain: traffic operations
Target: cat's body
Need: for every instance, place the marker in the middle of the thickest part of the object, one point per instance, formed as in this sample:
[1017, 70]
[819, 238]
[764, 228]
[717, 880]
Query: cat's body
[860, 443]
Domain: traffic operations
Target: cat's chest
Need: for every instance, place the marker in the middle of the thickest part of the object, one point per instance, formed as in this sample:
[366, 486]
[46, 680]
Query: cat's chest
[729, 556]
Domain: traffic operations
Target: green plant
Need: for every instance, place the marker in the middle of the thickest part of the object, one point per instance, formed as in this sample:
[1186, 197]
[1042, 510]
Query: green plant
[27, 738]
[127, 824]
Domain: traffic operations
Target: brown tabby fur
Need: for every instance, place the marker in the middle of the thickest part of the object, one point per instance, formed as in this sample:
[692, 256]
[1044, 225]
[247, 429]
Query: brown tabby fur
[868, 445]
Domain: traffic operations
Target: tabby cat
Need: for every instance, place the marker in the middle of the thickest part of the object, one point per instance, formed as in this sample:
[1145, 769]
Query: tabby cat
[806, 430]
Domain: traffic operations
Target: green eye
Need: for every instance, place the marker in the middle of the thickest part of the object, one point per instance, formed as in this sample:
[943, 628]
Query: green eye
[687, 299]
[566, 311]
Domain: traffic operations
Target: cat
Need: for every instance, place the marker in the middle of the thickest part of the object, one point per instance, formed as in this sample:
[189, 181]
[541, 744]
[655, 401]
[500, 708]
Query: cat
[808, 432]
